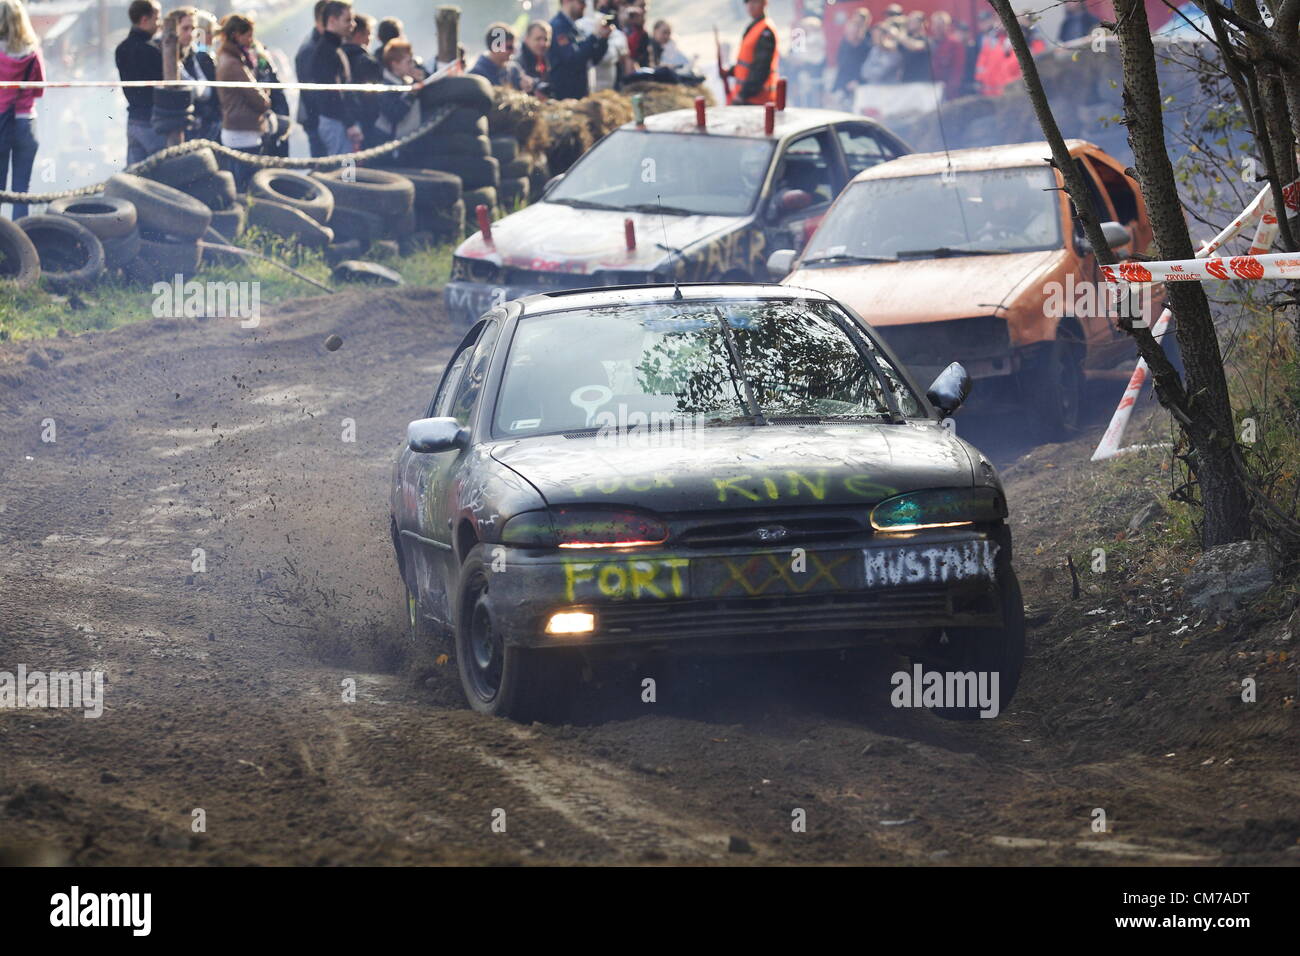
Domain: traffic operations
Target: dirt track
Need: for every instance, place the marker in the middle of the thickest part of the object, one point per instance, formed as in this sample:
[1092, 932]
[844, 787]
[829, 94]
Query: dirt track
[224, 687]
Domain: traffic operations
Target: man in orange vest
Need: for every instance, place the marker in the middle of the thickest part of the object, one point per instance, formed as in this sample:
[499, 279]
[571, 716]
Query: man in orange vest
[755, 73]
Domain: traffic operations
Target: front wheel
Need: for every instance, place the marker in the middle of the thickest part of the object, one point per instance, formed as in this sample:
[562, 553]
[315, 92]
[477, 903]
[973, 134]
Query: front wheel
[983, 650]
[500, 679]
[1051, 389]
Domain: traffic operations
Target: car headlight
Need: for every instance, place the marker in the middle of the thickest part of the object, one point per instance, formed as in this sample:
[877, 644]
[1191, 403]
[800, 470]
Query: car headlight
[938, 508]
[465, 269]
[584, 528]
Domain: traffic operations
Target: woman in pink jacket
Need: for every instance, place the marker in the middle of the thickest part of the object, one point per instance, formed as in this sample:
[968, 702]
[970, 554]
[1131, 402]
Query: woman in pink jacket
[20, 59]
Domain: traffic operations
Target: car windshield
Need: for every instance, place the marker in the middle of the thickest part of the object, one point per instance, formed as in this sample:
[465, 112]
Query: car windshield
[928, 217]
[688, 173]
[690, 365]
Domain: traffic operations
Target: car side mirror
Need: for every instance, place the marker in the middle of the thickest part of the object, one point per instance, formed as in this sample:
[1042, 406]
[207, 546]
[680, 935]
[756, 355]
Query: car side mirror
[427, 436]
[780, 263]
[950, 388]
[792, 200]
[1117, 237]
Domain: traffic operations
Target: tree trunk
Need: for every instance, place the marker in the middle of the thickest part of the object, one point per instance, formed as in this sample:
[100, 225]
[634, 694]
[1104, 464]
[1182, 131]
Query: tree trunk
[1210, 427]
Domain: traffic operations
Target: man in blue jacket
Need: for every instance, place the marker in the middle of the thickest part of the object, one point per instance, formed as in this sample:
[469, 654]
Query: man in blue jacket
[571, 54]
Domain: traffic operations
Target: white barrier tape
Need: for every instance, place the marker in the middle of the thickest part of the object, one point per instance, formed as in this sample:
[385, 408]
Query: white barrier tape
[1262, 207]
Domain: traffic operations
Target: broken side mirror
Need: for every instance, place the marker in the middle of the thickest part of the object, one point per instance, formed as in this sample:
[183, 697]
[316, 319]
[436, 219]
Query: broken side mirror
[950, 388]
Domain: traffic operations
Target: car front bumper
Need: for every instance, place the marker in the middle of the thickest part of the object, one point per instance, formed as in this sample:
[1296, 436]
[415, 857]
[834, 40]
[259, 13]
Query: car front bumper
[876, 591]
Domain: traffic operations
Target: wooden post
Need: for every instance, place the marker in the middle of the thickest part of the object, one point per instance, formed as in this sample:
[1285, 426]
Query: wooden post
[171, 61]
[447, 21]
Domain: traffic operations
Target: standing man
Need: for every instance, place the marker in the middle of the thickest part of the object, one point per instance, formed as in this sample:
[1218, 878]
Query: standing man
[497, 64]
[138, 58]
[337, 124]
[307, 117]
[570, 54]
[757, 62]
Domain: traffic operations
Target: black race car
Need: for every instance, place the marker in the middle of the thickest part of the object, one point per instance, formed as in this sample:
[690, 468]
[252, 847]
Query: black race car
[705, 469]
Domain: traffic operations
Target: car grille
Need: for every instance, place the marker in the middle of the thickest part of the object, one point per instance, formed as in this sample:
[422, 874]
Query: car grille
[769, 531]
[902, 607]
[938, 343]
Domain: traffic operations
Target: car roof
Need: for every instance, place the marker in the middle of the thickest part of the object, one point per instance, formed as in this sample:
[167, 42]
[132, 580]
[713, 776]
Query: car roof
[979, 157]
[572, 299]
[747, 121]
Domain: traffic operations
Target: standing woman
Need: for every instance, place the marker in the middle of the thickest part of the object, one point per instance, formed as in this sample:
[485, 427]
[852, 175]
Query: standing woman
[20, 59]
[245, 113]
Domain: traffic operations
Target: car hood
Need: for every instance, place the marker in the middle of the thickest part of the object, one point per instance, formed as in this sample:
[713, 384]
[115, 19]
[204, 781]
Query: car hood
[893, 293]
[742, 467]
[553, 237]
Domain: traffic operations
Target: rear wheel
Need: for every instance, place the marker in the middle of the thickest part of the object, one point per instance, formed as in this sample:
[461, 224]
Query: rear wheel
[502, 679]
[984, 650]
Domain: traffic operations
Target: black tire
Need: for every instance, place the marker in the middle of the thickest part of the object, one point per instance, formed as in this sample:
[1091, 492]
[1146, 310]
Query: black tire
[230, 222]
[374, 190]
[515, 169]
[20, 263]
[161, 208]
[106, 216]
[460, 144]
[432, 187]
[71, 255]
[460, 121]
[505, 148]
[513, 192]
[292, 188]
[184, 169]
[504, 680]
[999, 650]
[1051, 388]
[349, 224]
[217, 191]
[446, 224]
[121, 250]
[468, 91]
[474, 172]
[162, 257]
[484, 196]
[289, 222]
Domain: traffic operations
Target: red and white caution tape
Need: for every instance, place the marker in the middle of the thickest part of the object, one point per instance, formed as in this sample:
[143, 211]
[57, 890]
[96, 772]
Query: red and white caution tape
[1256, 264]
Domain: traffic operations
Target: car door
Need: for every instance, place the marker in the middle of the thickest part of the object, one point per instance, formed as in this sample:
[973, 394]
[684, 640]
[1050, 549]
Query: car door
[808, 177]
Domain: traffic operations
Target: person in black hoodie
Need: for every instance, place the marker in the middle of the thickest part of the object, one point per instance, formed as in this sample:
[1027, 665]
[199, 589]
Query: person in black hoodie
[302, 69]
[336, 110]
[138, 58]
[365, 68]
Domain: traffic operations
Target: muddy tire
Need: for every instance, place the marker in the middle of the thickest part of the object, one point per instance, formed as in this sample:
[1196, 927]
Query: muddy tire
[462, 120]
[216, 191]
[163, 257]
[182, 170]
[161, 208]
[432, 187]
[230, 222]
[498, 679]
[20, 263]
[468, 91]
[462, 144]
[292, 188]
[375, 190]
[475, 172]
[999, 650]
[1051, 389]
[106, 216]
[71, 255]
[505, 148]
[121, 250]
[289, 222]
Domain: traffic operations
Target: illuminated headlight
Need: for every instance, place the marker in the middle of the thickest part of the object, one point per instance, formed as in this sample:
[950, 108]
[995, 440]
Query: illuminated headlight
[938, 508]
[571, 622]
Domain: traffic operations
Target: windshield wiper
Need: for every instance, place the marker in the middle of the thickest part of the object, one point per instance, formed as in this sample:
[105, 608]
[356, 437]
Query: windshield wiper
[945, 251]
[585, 204]
[729, 337]
[846, 257]
[666, 210]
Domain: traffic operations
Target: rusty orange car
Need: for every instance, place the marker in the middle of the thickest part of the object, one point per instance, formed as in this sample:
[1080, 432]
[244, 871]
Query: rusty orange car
[976, 255]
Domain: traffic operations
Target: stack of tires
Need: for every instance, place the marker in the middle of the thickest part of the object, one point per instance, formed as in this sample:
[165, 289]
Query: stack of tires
[196, 174]
[516, 172]
[460, 144]
[71, 244]
[292, 204]
[370, 206]
[170, 224]
[439, 205]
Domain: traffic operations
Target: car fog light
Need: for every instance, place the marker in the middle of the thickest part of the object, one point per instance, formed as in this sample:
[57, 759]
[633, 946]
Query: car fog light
[571, 622]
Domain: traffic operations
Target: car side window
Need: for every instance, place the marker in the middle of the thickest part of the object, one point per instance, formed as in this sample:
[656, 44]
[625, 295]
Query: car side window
[438, 408]
[470, 386]
[808, 166]
[1122, 196]
[862, 149]
[1094, 193]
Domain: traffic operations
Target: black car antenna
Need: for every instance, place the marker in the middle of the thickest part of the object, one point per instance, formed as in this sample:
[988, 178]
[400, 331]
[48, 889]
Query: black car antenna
[677, 289]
